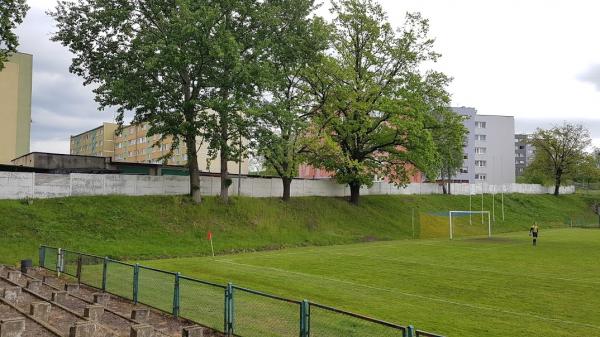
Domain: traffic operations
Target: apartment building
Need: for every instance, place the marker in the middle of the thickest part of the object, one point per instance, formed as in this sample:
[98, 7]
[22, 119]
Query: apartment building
[96, 142]
[15, 107]
[133, 145]
[524, 153]
[489, 150]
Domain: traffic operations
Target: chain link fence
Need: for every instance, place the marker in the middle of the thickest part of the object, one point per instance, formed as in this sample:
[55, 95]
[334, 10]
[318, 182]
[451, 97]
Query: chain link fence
[232, 310]
[259, 314]
[118, 278]
[202, 301]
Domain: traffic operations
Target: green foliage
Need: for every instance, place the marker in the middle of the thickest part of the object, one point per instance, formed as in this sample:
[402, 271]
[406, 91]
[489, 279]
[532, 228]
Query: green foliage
[150, 57]
[374, 100]
[12, 13]
[281, 119]
[449, 136]
[560, 154]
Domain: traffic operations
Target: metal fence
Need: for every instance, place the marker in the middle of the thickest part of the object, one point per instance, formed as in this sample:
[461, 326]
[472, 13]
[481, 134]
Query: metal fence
[230, 309]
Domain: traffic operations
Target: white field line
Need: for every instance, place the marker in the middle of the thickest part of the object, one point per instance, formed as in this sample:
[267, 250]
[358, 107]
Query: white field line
[537, 276]
[337, 252]
[434, 299]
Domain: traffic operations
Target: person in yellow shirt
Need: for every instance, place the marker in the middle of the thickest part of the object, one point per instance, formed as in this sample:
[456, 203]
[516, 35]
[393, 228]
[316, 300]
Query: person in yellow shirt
[533, 232]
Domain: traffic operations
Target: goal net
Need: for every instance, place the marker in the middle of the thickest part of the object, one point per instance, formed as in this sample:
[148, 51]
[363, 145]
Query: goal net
[455, 224]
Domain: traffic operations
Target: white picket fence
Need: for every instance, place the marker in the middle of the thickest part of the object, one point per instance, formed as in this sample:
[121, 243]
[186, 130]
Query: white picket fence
[19, 185]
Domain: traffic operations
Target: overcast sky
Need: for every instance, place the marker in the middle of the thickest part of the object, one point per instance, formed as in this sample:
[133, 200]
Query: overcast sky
[537, 60]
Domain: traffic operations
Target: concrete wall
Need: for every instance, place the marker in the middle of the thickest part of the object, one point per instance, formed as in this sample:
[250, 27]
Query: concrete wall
[18, 185]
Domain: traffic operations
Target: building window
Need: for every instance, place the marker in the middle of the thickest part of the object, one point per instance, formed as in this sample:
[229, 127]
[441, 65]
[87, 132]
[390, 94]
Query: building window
[481, 125]
[481, 163]
[132, 142]
[465, 156]
[464, 170]
[141, 140]
[479, 176]
[482, 138]
[480, 150]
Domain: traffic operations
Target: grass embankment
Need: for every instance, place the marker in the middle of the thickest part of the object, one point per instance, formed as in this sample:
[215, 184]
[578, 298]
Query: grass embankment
[166, 226]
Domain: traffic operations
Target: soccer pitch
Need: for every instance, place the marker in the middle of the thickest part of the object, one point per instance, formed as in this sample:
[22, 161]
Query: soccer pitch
[467, 287]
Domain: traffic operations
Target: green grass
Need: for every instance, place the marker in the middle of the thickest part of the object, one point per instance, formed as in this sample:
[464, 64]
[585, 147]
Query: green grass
[468, 287]
[164, 226]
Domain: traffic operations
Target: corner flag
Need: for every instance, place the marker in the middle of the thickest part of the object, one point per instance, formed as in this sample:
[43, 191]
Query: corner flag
[209, 237]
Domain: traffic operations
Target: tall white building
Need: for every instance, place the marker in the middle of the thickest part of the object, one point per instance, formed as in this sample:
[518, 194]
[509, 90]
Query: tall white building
[490, 148]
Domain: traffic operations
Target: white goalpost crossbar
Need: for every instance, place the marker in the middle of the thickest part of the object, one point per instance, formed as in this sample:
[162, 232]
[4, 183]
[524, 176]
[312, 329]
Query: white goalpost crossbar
[470, 213]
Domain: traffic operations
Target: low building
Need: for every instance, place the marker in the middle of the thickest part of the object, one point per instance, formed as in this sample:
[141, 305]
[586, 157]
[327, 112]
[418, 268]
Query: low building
[95, 142]
[132, 144]
[67, 163]
[15, 106]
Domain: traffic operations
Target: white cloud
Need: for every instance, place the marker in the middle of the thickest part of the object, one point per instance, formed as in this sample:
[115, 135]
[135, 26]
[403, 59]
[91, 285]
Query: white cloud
[50, 145]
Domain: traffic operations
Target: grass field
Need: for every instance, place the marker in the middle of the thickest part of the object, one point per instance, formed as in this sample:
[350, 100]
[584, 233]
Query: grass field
[471, 287]
[170, 226]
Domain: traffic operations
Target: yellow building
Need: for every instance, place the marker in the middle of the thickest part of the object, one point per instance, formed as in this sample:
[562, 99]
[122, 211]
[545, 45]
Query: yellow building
[96, 142]
[15, 107]
[134, 145]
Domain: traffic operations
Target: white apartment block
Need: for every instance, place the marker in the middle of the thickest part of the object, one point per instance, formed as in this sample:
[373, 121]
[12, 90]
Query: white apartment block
[489, 155]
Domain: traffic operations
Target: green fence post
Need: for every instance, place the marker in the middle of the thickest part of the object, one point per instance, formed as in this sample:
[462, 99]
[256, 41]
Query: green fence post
[410, 331]
[79, 267]
[226, 311]
[136, 284]
[42, 256]
[304, 318]
[104, 273]
[58, 257]
[229, 310]
[176, 297]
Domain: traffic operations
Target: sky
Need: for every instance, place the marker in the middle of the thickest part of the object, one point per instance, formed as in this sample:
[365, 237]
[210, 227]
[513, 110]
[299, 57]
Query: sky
[537, 60]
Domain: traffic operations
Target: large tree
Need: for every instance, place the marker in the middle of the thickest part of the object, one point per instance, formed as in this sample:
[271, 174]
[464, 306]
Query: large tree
[560, 152]
[158, 59]
[282, 117]
[240, 48]
[449, 136]
[378, 100]
[12, 13]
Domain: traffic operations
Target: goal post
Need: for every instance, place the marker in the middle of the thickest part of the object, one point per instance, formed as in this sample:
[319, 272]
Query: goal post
[469, 213]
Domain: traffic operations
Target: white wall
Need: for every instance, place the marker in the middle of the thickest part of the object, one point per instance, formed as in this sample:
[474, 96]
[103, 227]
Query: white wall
[18, 185]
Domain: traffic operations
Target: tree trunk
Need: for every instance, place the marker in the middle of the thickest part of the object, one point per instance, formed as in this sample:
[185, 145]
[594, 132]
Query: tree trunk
[354, 192]
[225, 181]
[287, 186]
[557, 181]
[449, 182]
[224, 156]
[192, 162]
[557, 185]
[442, 178]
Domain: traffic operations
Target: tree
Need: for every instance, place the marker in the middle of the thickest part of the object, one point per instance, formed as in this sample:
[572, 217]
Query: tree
[282, 117]
[377, 101]
[449, 136]
[155, 58]
[560, 152]
[12, 13]
[239, 46]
